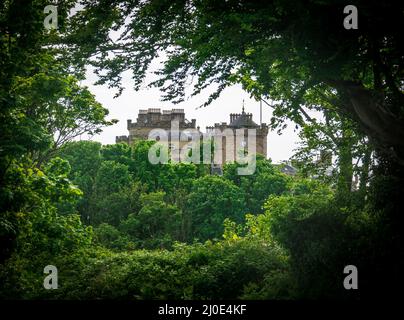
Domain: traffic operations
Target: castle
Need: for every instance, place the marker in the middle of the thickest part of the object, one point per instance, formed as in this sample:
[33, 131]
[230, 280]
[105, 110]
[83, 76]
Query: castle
[153, 118]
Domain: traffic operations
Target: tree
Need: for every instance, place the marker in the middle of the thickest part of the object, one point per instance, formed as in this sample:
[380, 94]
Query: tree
[62, 107]
[120, 153]
[333, 148]
[277, 52]
[23, 55]
[110, 237]
[111, 177]
[27, 65]
[38, 228]
[167, 177]
[176, 179]
[157, 224]
[112, 191]
[145, 171]
[84, 159]
[211, 200]
[257, 187]
[113, 208]
[322, 236]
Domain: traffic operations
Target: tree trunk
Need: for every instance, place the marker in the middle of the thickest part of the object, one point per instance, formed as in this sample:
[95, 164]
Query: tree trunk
[364, 174]
[385, 129]
[345, 164]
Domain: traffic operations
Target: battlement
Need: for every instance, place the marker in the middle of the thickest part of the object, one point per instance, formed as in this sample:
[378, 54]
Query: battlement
[157, 118]
[154, 110]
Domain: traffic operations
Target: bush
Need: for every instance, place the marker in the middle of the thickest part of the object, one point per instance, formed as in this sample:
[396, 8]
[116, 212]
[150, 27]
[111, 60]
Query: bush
[221, 270]
[110, 237]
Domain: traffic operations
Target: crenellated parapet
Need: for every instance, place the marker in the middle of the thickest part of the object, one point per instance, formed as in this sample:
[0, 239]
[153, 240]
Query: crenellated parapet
[155, 118]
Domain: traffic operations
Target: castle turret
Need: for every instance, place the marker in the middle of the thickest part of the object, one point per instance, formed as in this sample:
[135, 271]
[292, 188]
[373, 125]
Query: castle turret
[154, 118]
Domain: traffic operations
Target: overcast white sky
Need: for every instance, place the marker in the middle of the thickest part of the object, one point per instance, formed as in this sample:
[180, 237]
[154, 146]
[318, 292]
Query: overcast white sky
[128, 104]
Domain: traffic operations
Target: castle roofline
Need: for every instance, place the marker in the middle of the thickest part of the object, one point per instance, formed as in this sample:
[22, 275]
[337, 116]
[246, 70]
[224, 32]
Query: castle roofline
[242, 120]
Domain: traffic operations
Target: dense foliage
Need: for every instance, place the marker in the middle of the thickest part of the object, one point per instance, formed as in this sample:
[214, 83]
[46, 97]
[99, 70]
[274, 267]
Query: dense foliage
[117, 226]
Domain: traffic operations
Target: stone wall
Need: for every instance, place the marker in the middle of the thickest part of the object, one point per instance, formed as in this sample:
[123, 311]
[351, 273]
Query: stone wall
[153, 118]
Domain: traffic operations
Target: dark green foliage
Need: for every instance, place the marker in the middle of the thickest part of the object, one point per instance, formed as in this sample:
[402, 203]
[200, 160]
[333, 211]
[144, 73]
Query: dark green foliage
[276, 49]
[323, 234]
[157, 224]
[114, 207]
[172, 231]
[110, 237]
[265, 181]
[213, 199]
[210, 271]
[84, 158]
[120, 153]
[41, 233]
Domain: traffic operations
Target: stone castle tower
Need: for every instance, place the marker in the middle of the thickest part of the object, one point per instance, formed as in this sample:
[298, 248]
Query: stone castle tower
[153, 118]
[243, 120]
